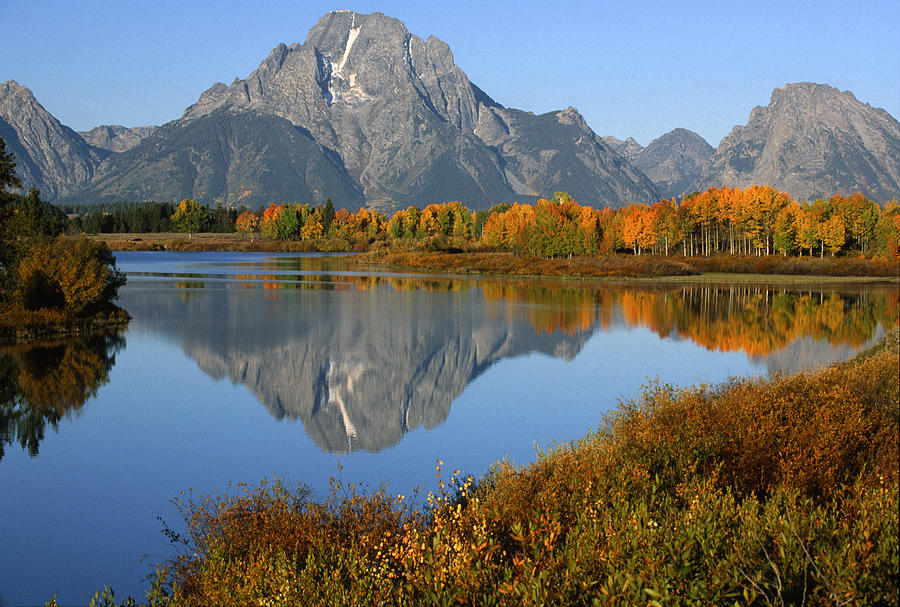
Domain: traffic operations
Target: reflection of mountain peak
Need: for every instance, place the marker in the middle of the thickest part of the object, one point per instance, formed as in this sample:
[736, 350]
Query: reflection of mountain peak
[810, 353]
[362, 366]
[394, 361]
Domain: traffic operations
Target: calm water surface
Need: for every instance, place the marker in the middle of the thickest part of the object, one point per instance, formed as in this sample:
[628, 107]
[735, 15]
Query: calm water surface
[237, 367]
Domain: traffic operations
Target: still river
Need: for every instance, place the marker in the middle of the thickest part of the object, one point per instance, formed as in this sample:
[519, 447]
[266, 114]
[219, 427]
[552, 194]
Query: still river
[242, 366]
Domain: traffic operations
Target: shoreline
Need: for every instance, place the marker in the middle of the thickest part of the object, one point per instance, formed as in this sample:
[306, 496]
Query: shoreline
[26, 328]
[649, 269]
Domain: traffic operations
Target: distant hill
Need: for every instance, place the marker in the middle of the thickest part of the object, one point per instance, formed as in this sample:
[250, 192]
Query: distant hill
[811, 141]
[225, 157]
[116, 138]
[674, 161]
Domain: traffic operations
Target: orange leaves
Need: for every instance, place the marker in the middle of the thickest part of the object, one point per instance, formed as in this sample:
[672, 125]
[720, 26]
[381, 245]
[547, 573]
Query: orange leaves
[247, 222]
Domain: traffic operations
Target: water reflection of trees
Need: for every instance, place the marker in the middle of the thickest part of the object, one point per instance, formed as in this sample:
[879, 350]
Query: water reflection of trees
[41, 383]
[754, 319]
[360, 369]
[759, 320]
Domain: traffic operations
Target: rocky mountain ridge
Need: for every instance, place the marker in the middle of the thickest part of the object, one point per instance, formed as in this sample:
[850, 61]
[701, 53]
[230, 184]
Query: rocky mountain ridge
[673, 161]
[367, 105]
[49, 155]
[116, 138]
[439, 132]
[366, 113]
[811, 141]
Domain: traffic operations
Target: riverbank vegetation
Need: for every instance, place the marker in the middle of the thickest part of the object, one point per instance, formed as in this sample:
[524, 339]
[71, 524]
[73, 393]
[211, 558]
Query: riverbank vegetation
[761, 491]
[757, 230]
[754, 221]
[50, 284]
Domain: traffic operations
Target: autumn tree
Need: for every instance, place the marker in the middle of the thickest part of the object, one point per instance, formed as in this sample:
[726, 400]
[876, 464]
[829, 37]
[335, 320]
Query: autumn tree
[268, 223]
[833, 234]
[313, 227]
[247, 222]
[784, 238]
[190, 216]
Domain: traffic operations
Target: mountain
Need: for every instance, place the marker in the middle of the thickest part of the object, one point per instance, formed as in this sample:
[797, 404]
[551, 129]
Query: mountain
[811, 141]
[410, 127]
[116, 138]
[225, 157]
[629, 148]
[363, 112]
[673, 161]
[49, 155]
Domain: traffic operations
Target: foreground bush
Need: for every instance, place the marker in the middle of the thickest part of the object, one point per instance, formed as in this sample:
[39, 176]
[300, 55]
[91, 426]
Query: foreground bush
[71, 274]
[760, 491]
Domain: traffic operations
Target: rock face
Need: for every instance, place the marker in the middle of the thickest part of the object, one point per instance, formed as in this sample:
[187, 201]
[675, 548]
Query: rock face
[49, 155]
[410, 127]
[226, 157]
[115, 138]
[674, 161]
[811, 141]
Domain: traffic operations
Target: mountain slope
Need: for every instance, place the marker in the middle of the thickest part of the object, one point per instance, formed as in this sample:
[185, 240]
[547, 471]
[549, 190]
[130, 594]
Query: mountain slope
[116, 138]
[228, 158]
[811, 141]
[674, 161]
[408, 123]
[49, 155]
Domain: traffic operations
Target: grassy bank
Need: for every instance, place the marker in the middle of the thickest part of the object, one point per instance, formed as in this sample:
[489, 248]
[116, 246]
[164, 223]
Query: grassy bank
[630, 266]
[236, 241]
[760, 491]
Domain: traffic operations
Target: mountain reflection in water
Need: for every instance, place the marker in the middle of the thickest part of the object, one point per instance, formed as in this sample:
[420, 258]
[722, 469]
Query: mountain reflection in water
[361, 358]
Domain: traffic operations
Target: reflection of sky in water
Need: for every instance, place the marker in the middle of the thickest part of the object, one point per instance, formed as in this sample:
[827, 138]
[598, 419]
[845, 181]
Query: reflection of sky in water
[82, 513]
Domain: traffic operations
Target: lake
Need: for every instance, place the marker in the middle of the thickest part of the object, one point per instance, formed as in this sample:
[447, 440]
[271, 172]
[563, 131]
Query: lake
[242, 366]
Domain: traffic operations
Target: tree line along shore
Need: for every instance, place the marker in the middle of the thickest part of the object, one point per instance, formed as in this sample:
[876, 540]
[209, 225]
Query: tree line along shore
[754, 221]
[757, 230]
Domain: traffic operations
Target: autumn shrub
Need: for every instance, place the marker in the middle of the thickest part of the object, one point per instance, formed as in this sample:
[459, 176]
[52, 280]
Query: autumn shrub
[797, 266]
[758, 491]
[73, 274]
[460, 260]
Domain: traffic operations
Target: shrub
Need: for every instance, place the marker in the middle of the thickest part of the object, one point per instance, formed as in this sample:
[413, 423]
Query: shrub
[68, 273]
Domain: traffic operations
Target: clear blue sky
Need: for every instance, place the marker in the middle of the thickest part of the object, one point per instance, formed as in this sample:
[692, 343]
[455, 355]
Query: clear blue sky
[632, 68]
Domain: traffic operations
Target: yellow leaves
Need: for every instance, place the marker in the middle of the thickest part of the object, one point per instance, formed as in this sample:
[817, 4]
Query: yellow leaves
[69, 273]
